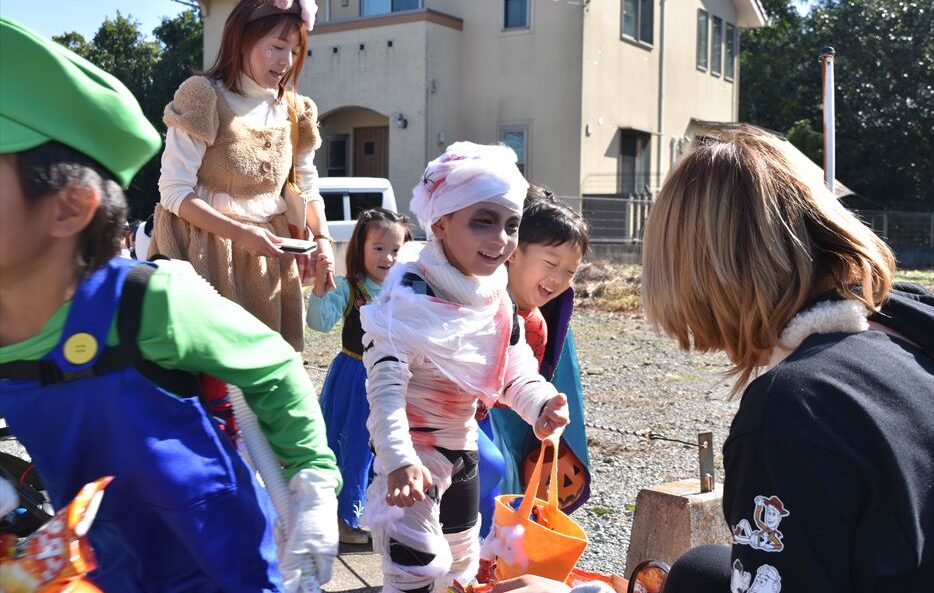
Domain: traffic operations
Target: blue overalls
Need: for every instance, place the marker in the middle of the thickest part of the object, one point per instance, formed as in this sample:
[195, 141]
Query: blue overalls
[183, 513]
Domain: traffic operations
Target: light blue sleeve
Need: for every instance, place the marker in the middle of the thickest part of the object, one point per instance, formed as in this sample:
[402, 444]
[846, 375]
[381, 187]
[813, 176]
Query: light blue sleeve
[325, 312]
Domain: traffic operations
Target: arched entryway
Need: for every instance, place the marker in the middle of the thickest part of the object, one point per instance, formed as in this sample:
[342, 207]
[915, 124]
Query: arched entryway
[355, 143]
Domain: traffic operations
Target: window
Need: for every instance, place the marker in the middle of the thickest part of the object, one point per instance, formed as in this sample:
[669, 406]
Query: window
[730, 67]
[638, 20]
[333, 205]
[516, 14]
[337, 155]
[364, 200]
[377, 7]
[702, 39]
[517, 138]
[716, 46]
[635, 158]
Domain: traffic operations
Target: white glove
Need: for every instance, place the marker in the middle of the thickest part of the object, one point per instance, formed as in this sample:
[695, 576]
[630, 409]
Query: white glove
[312, 536]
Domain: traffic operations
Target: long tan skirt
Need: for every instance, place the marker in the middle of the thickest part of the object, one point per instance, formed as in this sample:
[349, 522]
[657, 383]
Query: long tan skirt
[267, 287]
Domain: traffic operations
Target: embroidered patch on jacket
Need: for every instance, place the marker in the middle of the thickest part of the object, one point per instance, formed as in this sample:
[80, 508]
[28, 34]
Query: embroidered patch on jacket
[767, 579]
[767, 516]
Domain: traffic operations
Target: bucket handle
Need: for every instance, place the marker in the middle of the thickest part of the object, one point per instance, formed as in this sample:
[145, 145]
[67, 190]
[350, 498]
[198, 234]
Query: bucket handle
[528, 499]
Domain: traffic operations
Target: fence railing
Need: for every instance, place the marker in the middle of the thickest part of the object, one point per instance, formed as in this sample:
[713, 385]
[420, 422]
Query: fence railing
[620, 219]
[613, 218]
[910, 234]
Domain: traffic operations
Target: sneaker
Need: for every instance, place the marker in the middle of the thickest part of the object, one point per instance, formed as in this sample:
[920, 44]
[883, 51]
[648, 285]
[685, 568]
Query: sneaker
[353, 535]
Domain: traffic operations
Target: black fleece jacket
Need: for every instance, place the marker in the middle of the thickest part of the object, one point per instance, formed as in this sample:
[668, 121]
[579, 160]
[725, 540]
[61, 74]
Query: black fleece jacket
[830, 462]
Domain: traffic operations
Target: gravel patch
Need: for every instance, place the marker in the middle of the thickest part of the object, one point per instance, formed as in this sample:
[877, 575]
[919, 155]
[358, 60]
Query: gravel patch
[633, 379]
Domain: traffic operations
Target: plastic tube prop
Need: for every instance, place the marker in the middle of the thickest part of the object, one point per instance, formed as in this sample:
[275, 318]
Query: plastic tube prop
[826, 59]
[271, 472]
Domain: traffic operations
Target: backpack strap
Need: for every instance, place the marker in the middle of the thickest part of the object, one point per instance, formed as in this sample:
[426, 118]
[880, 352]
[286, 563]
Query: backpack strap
[420, 286]
[417, 284]
[515, 334]
[125, 354]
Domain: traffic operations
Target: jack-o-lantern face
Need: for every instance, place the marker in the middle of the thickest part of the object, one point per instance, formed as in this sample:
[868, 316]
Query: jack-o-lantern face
[572, 475]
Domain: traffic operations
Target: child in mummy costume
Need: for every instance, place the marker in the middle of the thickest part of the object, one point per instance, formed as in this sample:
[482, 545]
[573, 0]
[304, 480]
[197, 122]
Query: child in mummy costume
[443, 336]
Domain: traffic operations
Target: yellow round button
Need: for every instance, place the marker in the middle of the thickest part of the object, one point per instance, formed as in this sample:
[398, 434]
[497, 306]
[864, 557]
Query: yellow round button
[80, 348]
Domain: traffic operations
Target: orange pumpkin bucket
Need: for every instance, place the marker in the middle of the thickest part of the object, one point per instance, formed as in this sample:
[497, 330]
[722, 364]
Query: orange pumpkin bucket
[537, 537]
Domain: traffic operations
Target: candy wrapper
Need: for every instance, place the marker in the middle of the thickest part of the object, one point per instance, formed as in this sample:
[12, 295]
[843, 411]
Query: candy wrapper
[56, 557]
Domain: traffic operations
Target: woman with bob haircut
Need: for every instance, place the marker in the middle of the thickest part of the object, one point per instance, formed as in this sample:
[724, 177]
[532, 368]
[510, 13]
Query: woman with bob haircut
[235, 135]
[830, 458]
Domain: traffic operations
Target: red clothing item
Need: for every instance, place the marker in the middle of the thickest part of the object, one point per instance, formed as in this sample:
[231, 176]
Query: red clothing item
[536, 332]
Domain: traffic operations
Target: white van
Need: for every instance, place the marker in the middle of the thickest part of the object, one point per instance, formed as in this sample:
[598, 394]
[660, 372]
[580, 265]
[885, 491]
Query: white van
[344, 199]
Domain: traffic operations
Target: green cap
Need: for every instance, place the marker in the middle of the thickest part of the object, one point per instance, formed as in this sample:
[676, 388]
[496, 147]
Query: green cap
[51, 93]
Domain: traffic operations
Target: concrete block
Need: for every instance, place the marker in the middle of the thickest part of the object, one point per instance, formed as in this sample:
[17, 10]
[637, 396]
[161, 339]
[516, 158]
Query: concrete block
[673, 517]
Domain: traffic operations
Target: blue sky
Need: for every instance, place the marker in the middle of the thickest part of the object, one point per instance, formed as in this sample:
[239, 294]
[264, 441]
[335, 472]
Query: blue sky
[803, 6]
[54, 17]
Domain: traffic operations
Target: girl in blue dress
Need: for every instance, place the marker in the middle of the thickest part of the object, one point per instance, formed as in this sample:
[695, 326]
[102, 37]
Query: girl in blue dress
[372, 250]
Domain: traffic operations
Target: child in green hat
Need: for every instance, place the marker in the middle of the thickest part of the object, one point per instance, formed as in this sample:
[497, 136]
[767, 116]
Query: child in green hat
[99, 356]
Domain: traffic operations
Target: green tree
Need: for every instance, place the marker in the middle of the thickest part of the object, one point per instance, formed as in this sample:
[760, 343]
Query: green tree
[151, 70]
[807, 140]
[884, 95]
[182, 42]
[884, 73]
[773, 81]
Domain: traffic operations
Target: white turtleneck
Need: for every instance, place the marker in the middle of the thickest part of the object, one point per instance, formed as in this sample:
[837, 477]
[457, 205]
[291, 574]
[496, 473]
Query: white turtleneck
[183, 155]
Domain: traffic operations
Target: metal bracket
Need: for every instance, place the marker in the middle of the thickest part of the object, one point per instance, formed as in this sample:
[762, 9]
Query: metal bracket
[705, 458]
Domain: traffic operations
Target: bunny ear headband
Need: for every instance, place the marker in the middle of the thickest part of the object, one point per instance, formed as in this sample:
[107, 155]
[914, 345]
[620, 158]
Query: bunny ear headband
[306, 9]
[465, 174]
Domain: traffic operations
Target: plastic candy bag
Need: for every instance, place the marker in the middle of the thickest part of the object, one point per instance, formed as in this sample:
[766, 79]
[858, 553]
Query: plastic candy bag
[56, 557]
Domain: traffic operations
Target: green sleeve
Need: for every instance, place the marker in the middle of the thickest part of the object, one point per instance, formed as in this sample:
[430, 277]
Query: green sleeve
[187, 325]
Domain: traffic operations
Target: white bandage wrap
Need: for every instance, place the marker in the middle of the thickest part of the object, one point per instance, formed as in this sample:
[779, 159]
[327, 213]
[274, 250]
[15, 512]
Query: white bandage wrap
[465, 174]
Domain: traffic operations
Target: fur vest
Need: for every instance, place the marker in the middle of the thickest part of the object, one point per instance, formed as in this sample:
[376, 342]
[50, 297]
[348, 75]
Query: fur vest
[241, 160]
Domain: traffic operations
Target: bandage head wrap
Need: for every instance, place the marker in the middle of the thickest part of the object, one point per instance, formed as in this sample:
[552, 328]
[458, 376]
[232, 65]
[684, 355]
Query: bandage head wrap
[464, 175]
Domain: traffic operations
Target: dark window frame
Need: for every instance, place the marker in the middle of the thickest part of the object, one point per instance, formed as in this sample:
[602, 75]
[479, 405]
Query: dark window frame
[394, 6]
[730, 51]
[702, 58]
[643, 21]
[716, 46]
[523, 162]
[635, 162]
[504, 16]
[329, 163]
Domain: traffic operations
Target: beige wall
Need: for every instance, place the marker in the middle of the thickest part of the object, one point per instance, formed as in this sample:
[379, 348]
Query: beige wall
[622, 83]
[527, 77]
[390, 81]
[337, 11]
[217, 13]
[343, 121]
[619, 90]
[568, 72]
[690, 92]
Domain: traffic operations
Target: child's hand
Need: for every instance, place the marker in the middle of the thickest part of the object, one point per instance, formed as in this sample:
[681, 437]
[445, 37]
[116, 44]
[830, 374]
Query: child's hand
[553, 418]
[326, 250]
[324, 275]
[407, 485]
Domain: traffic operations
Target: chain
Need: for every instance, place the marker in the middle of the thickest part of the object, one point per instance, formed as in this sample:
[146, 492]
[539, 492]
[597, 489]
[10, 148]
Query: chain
[643, 434]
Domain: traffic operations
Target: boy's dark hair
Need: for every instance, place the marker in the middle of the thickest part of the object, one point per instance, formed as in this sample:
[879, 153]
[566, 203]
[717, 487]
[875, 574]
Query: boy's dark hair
[368, 218]
[546, 221]
[51, 167]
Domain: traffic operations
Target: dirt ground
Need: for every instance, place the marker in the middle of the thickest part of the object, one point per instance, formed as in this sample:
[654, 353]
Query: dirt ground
[633, 380]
